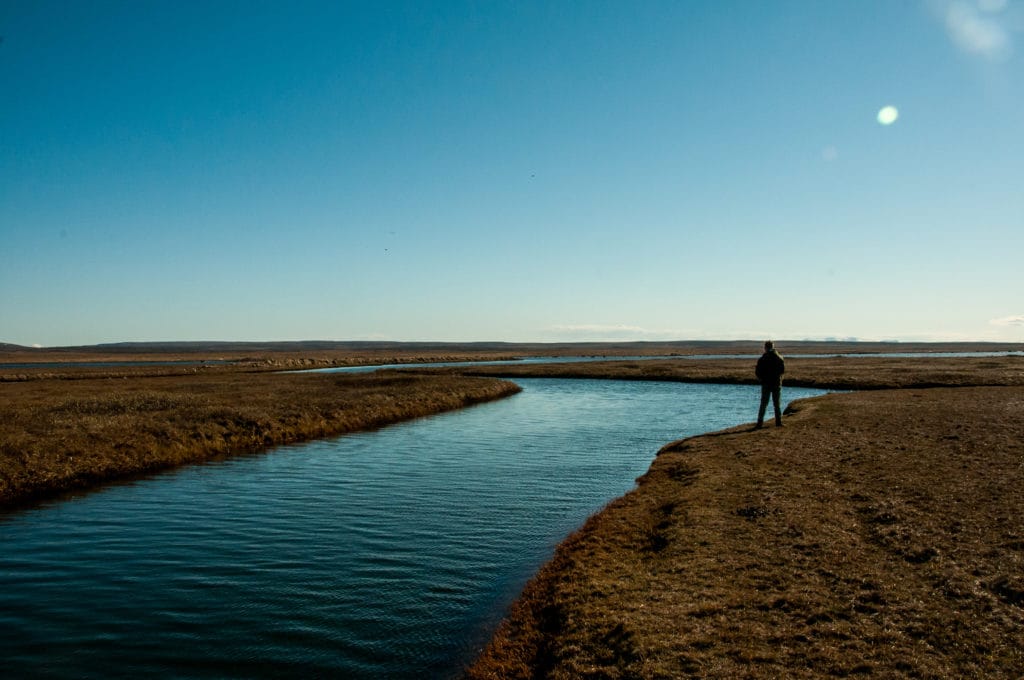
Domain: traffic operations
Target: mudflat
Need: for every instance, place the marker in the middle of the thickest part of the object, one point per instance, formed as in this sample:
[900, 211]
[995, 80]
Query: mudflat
[59, 435]
[878, 533]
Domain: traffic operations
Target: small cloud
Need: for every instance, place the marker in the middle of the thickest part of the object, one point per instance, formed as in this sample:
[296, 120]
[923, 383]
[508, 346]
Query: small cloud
[37, 346]
[1017, 320]
[618, 330]
[980, 33]
[829, 154]
[613, 333]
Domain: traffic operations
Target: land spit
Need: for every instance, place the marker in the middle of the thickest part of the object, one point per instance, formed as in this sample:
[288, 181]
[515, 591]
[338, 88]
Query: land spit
[877, 533]
[62, 435]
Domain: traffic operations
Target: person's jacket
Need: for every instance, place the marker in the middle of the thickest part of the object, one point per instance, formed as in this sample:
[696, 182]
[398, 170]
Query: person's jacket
[770, 368]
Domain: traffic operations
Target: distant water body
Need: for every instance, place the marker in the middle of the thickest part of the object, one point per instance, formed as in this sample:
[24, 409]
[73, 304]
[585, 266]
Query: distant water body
[388, 554]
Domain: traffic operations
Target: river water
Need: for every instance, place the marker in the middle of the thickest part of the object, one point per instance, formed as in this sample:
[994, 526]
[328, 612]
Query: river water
[390, 554]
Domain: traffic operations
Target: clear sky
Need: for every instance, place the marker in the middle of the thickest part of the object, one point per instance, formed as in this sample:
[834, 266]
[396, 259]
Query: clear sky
[522, 171]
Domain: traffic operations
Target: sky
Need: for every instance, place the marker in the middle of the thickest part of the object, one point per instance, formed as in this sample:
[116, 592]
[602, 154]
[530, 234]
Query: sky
[518, 171]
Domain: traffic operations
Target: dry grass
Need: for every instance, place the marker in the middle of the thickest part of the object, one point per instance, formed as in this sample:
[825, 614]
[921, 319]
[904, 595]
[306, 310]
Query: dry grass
[76, 366]
[876, 534]
[836, 373]
[58, 435]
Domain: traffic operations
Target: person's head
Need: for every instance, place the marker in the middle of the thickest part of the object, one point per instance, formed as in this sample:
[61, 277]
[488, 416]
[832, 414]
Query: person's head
[768, 345]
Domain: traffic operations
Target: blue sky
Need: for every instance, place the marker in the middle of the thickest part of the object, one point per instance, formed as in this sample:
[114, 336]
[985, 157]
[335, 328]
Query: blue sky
[522, 171]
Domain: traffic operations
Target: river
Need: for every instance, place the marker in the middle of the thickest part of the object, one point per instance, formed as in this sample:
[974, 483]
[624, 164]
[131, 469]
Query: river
[391, 553]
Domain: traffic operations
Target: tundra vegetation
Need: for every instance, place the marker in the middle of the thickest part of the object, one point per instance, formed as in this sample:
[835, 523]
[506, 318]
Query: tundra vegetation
[877, 533]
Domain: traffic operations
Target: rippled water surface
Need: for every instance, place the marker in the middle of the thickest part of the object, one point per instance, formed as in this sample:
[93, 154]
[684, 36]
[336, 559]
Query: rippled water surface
[384, 554]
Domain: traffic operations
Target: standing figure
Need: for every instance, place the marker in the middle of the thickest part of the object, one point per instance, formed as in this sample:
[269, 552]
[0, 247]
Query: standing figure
[770, 368]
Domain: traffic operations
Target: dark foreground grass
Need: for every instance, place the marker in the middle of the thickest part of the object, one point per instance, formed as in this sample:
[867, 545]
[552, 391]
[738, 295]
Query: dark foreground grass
[60, 435]
[877, 534]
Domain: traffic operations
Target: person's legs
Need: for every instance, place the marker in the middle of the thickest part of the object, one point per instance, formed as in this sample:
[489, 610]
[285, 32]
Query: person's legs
[776, 397]
[765, 392]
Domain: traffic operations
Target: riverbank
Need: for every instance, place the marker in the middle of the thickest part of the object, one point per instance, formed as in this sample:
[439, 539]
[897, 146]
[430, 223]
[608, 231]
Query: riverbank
[877, 533]
[59, 435]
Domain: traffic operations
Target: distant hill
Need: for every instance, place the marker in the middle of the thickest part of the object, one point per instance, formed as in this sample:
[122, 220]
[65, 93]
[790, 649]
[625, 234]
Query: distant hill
[8, 347]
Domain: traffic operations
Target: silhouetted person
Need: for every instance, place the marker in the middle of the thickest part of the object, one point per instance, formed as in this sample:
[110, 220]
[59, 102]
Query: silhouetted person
[770, 368]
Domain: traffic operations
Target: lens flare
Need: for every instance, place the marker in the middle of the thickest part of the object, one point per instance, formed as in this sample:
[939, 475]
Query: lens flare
[887, 115]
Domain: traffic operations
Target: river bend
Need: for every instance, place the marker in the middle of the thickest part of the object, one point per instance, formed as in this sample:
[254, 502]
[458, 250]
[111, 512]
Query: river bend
[391, 553]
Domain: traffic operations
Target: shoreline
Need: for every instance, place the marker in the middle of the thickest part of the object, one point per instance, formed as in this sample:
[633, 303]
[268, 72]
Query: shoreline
[877, 532]
[59, 436]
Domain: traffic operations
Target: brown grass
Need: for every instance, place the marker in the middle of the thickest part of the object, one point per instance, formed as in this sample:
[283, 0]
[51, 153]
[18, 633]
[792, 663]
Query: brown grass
[877, 534]
[38, 366]
[836, 373]
[58, 435]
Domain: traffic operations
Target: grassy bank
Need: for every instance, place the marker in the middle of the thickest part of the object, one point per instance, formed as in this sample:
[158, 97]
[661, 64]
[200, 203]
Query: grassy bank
[877, 533]
[58, 435]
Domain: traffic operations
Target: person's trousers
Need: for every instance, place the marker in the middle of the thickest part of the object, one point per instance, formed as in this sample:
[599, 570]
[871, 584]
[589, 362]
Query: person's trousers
[773, 391]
